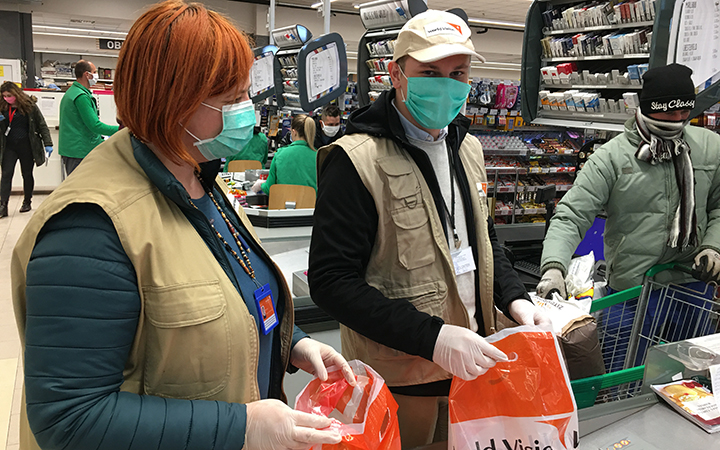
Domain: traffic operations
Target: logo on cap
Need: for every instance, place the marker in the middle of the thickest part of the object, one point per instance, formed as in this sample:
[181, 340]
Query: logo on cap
[437, 28]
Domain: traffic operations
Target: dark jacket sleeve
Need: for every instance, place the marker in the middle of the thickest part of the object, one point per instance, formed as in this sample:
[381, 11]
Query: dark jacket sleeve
[42, 128]
[83, 308]
[507, 285]
[344, 231]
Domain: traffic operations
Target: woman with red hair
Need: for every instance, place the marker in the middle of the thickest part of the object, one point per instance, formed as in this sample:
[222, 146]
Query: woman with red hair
[150, 315]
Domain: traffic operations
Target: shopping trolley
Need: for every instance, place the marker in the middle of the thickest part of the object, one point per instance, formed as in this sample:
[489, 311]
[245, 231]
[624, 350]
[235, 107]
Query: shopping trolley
[631, 321]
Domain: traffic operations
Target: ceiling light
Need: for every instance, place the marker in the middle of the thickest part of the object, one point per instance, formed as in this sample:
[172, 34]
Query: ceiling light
[496, 23]
[79, 53]
[318, 4]
[52, 27]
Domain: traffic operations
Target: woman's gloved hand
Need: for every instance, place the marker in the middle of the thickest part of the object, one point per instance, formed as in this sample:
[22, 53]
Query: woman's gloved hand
[526, 313]
[315, 357]
[707, 266]
[257, 187]
[552, 280]
[465, 353]
[48, 151]
[273, 425]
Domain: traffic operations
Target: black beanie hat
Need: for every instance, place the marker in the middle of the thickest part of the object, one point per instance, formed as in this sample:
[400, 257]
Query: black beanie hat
[667, 88]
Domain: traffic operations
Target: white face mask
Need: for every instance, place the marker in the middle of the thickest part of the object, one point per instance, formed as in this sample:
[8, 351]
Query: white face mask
[331, 131]
[93, 81]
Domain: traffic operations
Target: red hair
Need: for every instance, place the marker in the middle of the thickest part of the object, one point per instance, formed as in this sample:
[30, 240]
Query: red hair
[175, 56]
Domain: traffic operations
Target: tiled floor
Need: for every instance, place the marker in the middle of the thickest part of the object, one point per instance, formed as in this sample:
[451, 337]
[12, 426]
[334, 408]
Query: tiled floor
[10, 367]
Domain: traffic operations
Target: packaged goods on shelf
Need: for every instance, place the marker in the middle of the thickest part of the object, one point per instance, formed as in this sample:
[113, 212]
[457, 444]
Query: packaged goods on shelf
[291, 72]
[498, 94]
[502, 142]
[290, 86]
[598, 43]
[599, 14]
[378, 64]
[374, 95]
[292, 100]
[384, 48]
[593, 102]
[288, 60]
[568, 74]
[380, 83]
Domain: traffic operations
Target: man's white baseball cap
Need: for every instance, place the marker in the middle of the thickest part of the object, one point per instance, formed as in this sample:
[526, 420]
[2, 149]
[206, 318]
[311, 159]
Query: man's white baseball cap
[434, 35]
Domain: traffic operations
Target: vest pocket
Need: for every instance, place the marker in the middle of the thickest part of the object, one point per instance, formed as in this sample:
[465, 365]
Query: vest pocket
[414, 237]
[186, 340]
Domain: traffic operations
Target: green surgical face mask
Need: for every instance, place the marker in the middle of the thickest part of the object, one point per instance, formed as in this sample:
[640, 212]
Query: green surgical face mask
[435, 101]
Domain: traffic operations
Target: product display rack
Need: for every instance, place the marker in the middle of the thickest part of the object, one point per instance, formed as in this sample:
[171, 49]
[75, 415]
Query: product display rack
[383, 21]
[600, 60]
[520, 161]
[289, 41]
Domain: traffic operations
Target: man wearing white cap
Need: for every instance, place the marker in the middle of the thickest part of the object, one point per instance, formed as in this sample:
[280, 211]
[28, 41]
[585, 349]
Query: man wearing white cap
[403, 252]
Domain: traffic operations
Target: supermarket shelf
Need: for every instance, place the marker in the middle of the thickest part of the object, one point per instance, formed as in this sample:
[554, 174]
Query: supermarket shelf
[375, 89]
[599, 28]
[379, 72]
[528, 170]
[519, 212]
[505, 151]
[595, 121]
[381, 56]
[49, 77]
[538, 128]
[598, 57]
[592, 86]
[520, 189]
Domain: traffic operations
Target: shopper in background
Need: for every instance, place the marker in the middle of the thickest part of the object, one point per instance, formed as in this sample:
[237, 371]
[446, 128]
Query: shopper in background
[404, 254]
[80, 127]
[255, 150]
[327, 128]
[24, 136]
[294, 164]
[138, 289]
[659, 184]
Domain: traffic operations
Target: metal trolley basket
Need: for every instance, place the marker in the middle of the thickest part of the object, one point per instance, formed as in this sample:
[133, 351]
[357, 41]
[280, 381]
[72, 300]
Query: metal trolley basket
[631, 321]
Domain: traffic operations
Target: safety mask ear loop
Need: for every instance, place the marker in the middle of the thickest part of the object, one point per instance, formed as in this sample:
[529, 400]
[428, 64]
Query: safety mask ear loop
[188, 131]
[406, 78]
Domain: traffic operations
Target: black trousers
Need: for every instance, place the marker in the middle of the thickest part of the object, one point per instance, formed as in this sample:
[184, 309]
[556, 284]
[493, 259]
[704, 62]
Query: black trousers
[70, 164]
[15, 151]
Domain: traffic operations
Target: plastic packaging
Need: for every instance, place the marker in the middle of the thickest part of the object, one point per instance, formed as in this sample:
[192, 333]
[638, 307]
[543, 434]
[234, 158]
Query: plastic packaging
[523, 403]
[365, 415]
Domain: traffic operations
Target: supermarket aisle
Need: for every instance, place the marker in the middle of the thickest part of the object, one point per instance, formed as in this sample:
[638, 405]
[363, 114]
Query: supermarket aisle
[10, 368]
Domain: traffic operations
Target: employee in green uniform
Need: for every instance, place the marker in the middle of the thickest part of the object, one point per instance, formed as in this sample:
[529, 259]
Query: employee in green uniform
[80, 126]
[294, 164]
[255, 150]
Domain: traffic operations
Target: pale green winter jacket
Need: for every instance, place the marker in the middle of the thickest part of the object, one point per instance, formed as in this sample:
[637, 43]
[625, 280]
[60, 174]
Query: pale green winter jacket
[640, 200]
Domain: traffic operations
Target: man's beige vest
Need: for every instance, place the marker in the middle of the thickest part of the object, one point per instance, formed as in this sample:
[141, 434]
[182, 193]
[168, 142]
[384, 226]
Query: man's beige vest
[410, 259]
[187, 300]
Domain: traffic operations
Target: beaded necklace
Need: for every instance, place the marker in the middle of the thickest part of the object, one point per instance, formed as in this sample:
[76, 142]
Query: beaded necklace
[245, 260]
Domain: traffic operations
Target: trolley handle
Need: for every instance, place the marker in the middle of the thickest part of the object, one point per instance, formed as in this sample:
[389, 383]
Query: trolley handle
[654, 270]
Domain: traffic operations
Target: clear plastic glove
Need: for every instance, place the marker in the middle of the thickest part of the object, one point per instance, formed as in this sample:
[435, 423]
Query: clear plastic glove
[707, 266]
[315, 357]
[552, 280]
[526, 313]
[257, 187]
[464, 353]
[48, 151]
[271, 425]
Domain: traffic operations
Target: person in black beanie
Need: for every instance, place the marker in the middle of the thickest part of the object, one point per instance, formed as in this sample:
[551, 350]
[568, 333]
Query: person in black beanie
[659, 184]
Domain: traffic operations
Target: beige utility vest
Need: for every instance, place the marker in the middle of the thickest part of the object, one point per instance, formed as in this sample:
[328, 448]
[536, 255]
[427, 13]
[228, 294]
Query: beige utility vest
[410, 259]
[187, 299]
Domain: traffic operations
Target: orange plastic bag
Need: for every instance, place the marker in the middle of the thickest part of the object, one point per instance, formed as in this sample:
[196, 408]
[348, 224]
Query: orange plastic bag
[365, 416]
[523, 404]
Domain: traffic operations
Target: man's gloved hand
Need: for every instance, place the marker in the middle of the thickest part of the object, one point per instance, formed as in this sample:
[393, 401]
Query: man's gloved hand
[271, 424]
[707, 266]
[315, 357]
[48, 151]
[464, 353]
[526, 313]
[552, 280]
[257, 187]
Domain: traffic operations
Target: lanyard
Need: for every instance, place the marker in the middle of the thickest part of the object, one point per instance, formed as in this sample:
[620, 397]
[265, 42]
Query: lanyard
[11, 114]
[450, 213]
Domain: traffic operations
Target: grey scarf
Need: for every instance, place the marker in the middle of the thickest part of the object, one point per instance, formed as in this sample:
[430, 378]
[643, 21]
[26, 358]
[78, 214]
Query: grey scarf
[660, 142]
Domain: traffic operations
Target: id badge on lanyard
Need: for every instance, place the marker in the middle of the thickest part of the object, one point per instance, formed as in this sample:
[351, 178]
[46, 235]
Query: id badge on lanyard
[11, 114]
[266, 308]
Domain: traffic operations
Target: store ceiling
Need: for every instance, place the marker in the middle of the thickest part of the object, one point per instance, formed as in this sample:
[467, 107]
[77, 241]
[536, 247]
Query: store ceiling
[506, 10]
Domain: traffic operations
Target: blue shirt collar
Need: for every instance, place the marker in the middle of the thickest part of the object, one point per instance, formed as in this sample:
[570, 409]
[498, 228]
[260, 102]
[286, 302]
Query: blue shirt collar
[413, 132]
